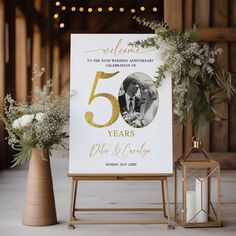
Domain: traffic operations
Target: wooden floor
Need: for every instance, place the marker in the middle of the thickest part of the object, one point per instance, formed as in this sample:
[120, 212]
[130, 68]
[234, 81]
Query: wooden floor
[103, 194]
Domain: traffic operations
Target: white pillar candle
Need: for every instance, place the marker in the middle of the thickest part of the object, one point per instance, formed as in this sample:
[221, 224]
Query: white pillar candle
[201, 200]
[190, 206]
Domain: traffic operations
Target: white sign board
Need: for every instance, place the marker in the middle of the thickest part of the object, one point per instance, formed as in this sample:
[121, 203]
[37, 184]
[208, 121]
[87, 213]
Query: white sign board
[119, 122]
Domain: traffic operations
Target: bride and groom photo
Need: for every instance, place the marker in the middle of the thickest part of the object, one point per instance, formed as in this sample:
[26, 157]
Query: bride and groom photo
[138, 100]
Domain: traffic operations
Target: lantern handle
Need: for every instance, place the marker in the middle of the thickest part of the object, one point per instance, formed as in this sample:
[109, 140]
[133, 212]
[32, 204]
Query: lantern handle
[196, 146]
[196, 142]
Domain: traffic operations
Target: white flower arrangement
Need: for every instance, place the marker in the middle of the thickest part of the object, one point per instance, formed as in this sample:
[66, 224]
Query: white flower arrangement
[26, 120]
[36, 125]
[195, 74]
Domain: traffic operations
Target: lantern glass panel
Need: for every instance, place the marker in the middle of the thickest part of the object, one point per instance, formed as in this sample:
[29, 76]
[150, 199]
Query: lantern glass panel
[178, 195]
[201, 195]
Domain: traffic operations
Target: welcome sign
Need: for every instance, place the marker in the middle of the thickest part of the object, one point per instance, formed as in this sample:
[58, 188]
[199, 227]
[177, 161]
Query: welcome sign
[120, 123]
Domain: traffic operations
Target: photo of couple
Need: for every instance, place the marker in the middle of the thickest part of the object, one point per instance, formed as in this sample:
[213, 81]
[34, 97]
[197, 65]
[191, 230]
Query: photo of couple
[138, 99]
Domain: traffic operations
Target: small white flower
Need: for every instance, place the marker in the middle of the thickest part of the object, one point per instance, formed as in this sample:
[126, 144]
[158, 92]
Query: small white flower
[16, 124]
[197, 62]
[219, 50]
[209, 70]
[211, 60]
[40, 116]
[26, 120]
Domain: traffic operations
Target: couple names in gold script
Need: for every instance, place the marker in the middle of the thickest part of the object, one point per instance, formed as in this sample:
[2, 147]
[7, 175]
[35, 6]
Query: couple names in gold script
[119, 151]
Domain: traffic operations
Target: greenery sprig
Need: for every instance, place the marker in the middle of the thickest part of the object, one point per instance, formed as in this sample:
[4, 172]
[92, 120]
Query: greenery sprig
[198, 82]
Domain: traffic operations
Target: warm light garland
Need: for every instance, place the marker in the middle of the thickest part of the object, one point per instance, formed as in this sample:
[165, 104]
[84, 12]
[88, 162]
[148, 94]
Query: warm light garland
[80, 9]
[100, 9]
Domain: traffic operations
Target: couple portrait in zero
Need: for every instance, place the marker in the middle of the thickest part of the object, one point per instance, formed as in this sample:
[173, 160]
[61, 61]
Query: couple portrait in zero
[138, 100]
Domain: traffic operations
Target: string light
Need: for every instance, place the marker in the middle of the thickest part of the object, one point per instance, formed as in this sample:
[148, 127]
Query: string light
[99, 9]
[142, 8]
[56, 15]
[62, 25]
[57, 3]
[132, 10]
[73, 9]
[154, 9]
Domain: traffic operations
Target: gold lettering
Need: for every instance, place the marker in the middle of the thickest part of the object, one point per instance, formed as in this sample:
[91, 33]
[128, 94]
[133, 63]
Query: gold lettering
[98, 149]
[126, 150]
[132, 133]
[121, 133]
[117, 49]
[126, 133]
[116, 151]
[141, 151]
[111, 98]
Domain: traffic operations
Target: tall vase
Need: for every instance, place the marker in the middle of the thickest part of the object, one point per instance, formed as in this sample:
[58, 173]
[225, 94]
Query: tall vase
[39, 206]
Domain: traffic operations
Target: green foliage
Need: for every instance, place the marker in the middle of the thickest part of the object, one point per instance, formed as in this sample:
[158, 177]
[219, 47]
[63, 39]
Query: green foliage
[198, 82]
[24, 153]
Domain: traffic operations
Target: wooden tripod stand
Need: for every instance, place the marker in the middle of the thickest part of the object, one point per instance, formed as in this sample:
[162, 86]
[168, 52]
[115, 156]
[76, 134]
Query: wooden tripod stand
[165, 202]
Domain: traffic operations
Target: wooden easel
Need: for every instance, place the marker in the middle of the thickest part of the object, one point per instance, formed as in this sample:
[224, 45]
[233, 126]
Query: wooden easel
[165, 201]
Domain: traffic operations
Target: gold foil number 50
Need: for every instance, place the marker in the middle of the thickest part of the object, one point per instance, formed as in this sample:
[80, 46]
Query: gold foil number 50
[111, 98]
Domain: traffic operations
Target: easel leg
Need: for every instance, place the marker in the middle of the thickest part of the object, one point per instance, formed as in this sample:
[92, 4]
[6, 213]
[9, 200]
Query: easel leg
[74, 197]
[72, 204]
[163, 198]
[168, 204]
[165, 202]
